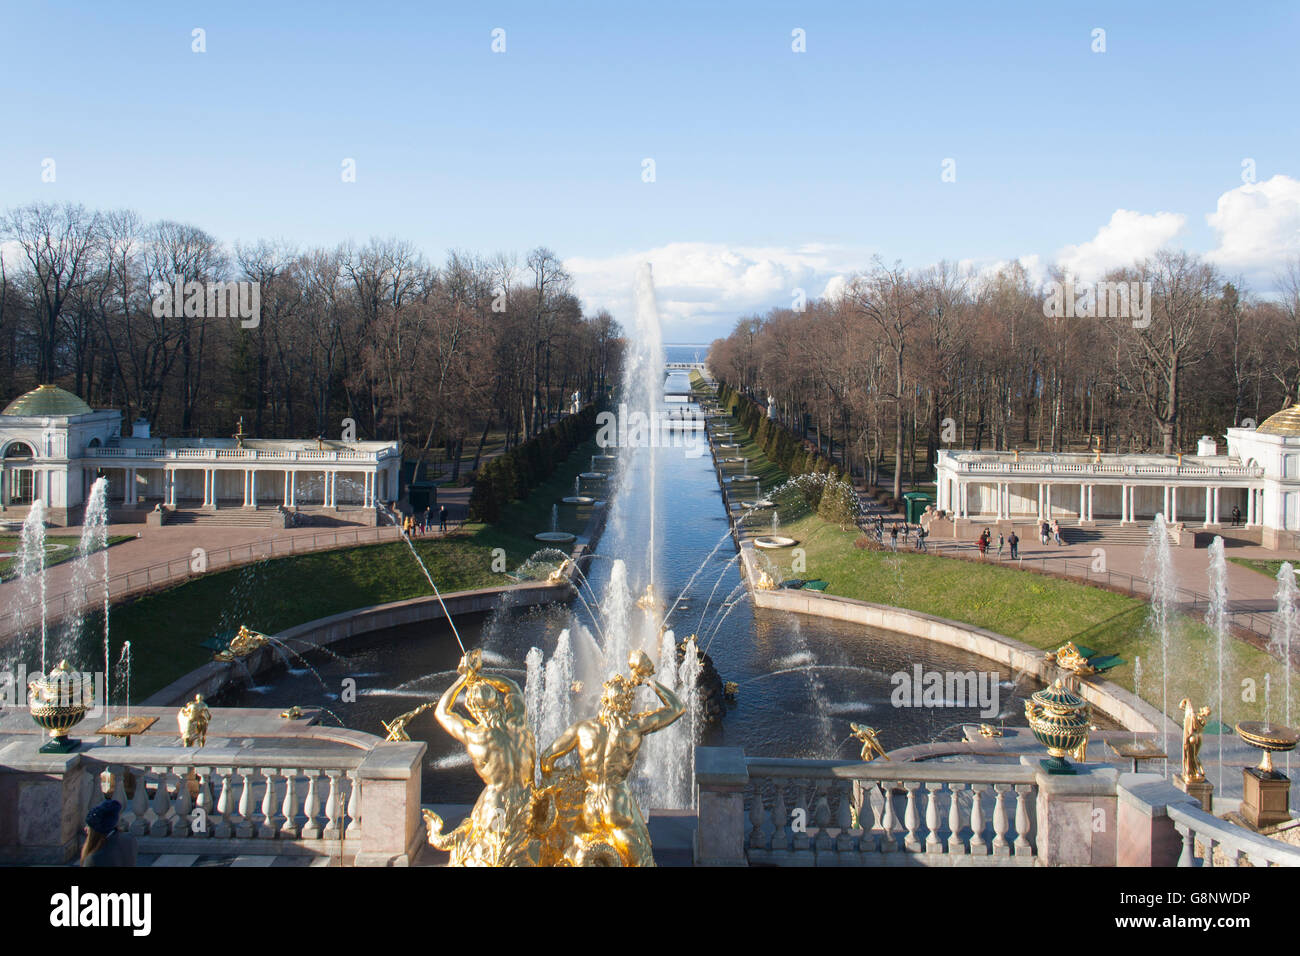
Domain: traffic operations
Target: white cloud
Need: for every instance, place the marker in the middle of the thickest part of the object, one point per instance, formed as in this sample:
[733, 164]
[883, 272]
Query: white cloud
[1127, 238]
[702, 287]
[1258, 226]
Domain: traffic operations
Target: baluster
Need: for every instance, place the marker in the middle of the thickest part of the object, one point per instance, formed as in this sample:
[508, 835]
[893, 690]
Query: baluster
[266, 823]
[119, 794]
[955, 842]
[1024, 843]
[844, 816]
[932, 842]
[800, 840]
[289, 830]
[180, 824]
[220, 827]
[1188, 856]
[911, 820]
[756, 814]
[821, 818]
[354, 806]
[978, 846]
[888, 842]
[1000, 845]
[161, 805]
[139, 802]
[863, 789]
[311, 808]
[780, 817]
[333, 825]
[244, 821]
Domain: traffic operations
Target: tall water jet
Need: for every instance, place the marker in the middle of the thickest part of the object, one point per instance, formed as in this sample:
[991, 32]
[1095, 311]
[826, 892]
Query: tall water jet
[31, 566]
[1158, 563]
[1284, 628]
[92, 550]
[1216, 616]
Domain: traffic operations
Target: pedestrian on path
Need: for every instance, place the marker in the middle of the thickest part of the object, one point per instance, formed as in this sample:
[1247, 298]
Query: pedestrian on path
[1056, 530]
[1014, 542]
[442, 518]
[983, 542]
[921, 535]
[1043, 531]
[893, 535]
[1002, 540]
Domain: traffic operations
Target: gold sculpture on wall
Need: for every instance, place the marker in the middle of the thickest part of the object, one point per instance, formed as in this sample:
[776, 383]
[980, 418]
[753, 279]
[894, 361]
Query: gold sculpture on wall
[243, 644]
[871, 748]
[583, 815]
[192, 719]
[1194, 722]
[765, 582]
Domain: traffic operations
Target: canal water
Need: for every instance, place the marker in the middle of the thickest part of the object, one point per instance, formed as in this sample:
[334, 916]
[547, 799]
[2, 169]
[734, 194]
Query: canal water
[802, 680]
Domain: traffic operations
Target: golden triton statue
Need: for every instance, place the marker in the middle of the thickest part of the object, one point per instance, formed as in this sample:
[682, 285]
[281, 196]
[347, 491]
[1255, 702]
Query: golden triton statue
[871, 748]
[502, 828]
[1194, 722]
[765, 582]
[610, 829]
[192, 719]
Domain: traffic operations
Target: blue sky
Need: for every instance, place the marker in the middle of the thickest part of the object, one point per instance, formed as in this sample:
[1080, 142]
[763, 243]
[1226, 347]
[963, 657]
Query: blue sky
[773, 169]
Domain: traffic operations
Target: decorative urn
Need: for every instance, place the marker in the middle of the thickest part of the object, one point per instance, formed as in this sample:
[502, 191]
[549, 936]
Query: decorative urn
[57, 703]
[1060, 721]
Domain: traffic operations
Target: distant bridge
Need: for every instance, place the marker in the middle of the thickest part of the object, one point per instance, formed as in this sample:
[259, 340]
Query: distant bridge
[698, 366]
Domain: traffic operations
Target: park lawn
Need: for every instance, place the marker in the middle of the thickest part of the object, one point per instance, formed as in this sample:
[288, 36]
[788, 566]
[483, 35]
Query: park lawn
[165, 629]
[9, 543]
[1268, 567]
[1037, 609]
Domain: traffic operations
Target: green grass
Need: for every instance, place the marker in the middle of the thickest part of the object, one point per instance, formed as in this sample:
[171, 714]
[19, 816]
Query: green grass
[1037, 609]
[1268, 567]
[9, 543]
[166, 629]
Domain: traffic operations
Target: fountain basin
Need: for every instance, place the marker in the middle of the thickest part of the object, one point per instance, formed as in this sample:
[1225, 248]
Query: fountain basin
[593, 475]
[772, 541]
[743, 478]
[555, 537]
[578, 500]
[762, 503]
[728, 446]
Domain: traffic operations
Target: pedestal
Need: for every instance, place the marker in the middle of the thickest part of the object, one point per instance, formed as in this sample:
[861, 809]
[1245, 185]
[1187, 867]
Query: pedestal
[1202, 790]
[1266, 797]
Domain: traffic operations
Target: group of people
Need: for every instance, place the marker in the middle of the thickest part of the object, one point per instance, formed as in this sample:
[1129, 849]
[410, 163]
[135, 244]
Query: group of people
[415, 525]
[1050, 531]
[897, 528]
[986, 542]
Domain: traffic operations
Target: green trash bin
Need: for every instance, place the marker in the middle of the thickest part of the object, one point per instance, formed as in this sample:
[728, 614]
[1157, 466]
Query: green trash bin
[914, 505]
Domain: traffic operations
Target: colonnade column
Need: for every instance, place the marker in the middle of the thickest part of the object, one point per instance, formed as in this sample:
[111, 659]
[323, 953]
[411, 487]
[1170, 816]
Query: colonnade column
[1090, 487]
[1173, 503]
[1207, 507]
[1083, 504]
[1250, 507]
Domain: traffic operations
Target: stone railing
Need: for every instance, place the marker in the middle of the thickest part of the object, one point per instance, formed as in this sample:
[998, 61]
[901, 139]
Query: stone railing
[239, 454]
[1104, 469]
[780, 812]
[354, 804]
[1209, 841]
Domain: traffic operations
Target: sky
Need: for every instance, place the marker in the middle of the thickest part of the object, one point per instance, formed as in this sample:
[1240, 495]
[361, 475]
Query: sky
[978, 133]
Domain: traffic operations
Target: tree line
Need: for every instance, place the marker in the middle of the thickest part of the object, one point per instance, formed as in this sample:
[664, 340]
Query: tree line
[422, 353]
[902, 362]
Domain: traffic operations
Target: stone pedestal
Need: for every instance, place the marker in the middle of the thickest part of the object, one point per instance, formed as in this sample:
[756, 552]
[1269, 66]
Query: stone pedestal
[1202, 790]
[392, 828]
[1266, 797]
[1147, 836]
[720, 778]
[45, 797]
[1077, 815]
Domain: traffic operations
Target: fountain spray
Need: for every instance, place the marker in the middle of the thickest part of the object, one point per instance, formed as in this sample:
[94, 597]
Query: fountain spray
[1216, 616]
[1287, 595]
[1158, 563]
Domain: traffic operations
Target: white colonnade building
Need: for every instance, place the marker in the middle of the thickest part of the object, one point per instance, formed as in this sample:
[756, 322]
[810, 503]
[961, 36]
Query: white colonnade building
[53, 446]
[1259, 474]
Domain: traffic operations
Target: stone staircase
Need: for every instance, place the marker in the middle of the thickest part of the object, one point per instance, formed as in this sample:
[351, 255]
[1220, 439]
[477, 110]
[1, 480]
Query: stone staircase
[1109, 532]
[224, 518]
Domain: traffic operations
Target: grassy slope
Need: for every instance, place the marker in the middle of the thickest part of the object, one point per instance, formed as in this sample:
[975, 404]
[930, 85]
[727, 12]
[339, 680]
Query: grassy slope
[10, 543]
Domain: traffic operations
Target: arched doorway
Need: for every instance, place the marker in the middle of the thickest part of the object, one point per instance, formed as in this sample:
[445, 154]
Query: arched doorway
[19, 478]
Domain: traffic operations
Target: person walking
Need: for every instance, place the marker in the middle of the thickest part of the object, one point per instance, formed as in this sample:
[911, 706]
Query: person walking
[893, 535]
[1043, 531]
[442, 517]
[1002, 540]
[1236, 516]
[1014, 542]
[983, 542]
[1056, 531]
[426, 522]
[921, 535]
[105, 845]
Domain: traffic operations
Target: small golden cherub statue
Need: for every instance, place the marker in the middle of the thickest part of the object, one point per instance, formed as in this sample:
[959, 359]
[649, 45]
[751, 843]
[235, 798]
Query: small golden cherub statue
[871, 748]
[293, 713]
[192, 719]
[1194, 722]
[558, 576]
[765, 582]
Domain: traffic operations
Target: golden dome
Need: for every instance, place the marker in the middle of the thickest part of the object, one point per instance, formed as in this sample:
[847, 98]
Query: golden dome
[1285, 422]
[46, 401]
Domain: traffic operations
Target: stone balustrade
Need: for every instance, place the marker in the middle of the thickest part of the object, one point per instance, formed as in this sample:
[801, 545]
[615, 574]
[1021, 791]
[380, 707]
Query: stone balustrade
[771, 811]
[1104, 469]
[1209, 841]
[355, 805]
[239, 454]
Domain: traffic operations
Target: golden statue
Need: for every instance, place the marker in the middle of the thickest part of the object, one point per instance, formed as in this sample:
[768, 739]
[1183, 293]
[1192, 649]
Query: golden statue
[765, 582]
[608, 829]
[649, 601]
[558, 576]
[871, 748]
[1194, 722]
[192, 719]
[502, 829]
[243, 644]
[1067, 657]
